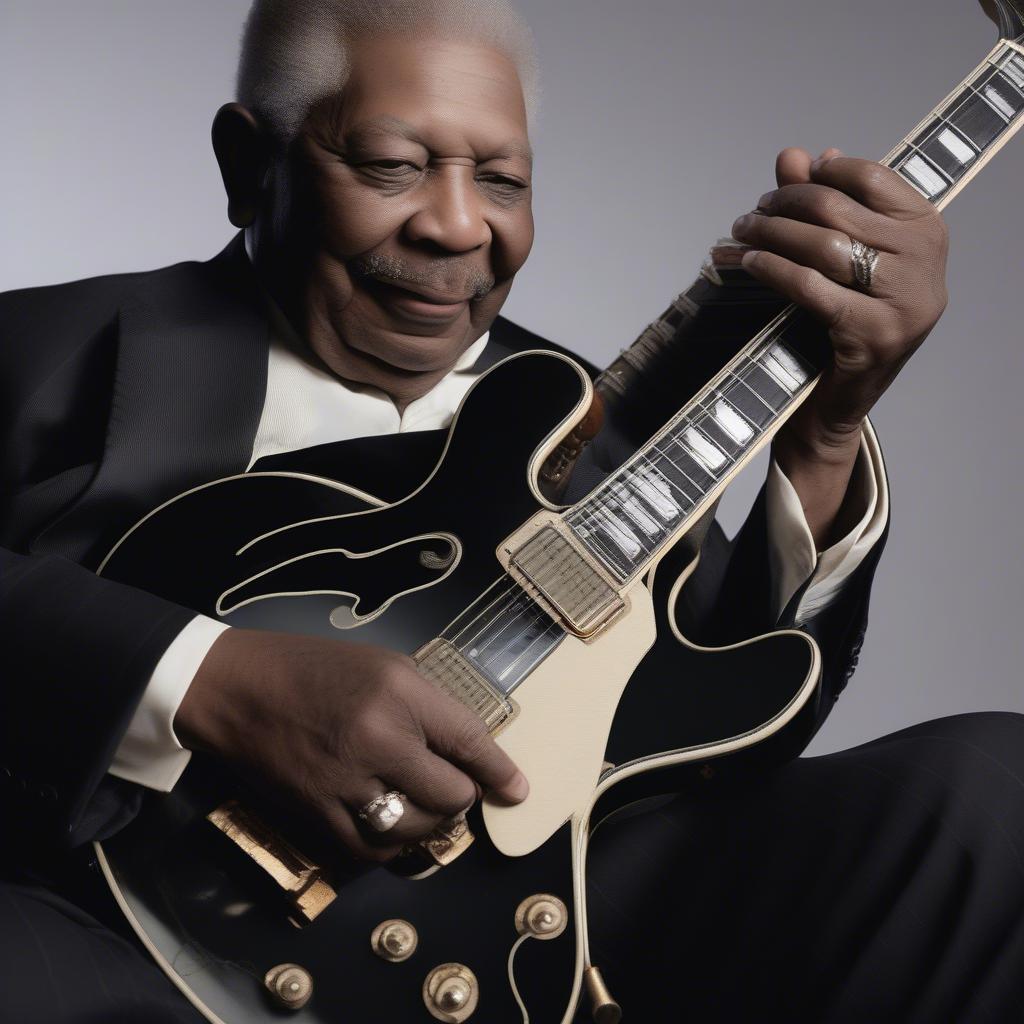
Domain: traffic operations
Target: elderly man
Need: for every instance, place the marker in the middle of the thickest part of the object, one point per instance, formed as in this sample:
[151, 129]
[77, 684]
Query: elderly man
[379, 166]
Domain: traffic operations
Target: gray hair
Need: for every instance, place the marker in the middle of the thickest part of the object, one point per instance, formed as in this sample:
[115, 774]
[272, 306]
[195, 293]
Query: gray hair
[295, 52]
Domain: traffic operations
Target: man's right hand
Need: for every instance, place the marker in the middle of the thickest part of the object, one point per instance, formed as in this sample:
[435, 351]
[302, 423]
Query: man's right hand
[336, 724]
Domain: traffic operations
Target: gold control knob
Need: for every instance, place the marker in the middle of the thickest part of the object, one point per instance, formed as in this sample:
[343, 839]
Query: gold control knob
[541, 916]
[290, 986]
[450, 993]
[394, 940]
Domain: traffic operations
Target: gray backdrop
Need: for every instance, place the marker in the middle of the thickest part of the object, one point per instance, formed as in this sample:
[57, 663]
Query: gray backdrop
[667, 116]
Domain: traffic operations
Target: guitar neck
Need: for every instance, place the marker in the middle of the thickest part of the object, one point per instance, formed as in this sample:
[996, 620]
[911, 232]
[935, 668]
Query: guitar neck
[648, 503]
[630, 519]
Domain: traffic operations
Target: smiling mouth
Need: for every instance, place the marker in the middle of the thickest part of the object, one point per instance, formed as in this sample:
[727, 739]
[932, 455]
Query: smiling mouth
[415, 302]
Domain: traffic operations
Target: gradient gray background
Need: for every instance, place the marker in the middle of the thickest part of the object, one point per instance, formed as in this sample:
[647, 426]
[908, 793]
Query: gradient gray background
[660, 123]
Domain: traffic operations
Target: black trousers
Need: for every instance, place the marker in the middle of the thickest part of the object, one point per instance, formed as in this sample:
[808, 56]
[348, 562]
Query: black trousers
[881, 884]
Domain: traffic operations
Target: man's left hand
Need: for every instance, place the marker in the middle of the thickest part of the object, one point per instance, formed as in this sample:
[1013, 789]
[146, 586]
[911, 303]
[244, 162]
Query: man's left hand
[801, 236]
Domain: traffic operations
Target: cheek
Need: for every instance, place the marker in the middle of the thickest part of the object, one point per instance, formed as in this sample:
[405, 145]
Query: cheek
[353, 221]
[513, 239]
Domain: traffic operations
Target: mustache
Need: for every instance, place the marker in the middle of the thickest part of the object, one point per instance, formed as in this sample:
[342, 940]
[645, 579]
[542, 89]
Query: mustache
[449, 274]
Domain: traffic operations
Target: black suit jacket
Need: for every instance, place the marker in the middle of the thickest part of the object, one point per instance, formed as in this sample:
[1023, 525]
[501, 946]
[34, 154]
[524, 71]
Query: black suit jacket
[119, 392]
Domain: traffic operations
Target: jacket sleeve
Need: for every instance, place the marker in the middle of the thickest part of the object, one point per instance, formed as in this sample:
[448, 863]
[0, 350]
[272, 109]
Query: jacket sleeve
[730, 595]
[78, 650]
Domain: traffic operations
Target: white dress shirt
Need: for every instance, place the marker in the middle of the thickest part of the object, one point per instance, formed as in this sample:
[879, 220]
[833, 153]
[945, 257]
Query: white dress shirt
[306, 405]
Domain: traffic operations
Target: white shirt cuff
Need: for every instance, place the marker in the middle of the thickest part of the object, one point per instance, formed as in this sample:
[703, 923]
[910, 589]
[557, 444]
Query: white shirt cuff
[150, 753]
[791, 553]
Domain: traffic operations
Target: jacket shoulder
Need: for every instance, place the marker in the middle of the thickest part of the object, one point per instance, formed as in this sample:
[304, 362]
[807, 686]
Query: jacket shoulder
[41, 327]
[71, 306]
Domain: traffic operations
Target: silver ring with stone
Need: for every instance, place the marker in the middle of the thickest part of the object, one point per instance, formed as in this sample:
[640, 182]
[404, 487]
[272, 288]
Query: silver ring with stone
[863, 258]
[383, 812]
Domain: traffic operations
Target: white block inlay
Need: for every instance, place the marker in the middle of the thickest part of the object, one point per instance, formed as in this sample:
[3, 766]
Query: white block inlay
[624, 539]
[635, 510]
[784, 368]
[657, 493]
[732, 423]
[999, 102]
[930, 183]
[1013, 68]
[956, 146]
[703, 449]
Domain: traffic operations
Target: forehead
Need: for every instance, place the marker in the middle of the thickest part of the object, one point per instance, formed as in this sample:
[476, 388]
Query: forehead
[448, 92]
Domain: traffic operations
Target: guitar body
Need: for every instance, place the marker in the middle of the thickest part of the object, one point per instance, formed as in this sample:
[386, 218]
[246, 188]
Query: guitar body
[396, 574]
[307, 554]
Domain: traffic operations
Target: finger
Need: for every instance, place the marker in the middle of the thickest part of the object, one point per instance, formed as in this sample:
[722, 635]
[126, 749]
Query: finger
[456, 733]
[433, 783]
[805, 286]
[807, 244]
[793, 166]
[875, 186]
[829, 208]
[415, 822]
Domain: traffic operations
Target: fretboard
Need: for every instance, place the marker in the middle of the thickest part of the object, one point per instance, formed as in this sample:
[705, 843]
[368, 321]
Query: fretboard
[649, 501]
[963, 132]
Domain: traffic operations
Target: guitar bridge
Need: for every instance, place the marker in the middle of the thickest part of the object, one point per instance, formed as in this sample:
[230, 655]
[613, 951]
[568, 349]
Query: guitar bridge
[304, 883]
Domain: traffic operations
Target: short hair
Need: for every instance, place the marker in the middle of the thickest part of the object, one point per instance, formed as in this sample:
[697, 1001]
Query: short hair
[296, 52]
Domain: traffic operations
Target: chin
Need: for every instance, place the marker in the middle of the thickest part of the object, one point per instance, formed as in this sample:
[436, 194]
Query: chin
[410, 352]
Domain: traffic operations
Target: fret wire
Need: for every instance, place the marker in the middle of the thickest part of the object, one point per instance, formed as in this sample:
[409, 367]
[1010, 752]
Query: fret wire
[710, 472]
[598, 539]
[984, 99]
[698, 424]
[650, 465]
[1007, 77]
[622, 506]
[625, 508]
[937, 112]
[668, 479]
[614, 523]
[716, 394]
[753, 391]
[680, 468]
[932, 164]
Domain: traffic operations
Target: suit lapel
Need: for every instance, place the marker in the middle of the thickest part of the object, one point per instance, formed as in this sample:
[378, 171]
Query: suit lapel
[189, 386]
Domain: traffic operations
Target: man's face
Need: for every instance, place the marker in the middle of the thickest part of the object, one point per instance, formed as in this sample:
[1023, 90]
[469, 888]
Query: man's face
[413, 188]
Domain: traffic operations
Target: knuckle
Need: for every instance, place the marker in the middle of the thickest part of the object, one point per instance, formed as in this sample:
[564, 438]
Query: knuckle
[826, 205]
[875, 178]
[837, 249]
[806, 285]
[854, 360]
[457, 797]
[470, 740]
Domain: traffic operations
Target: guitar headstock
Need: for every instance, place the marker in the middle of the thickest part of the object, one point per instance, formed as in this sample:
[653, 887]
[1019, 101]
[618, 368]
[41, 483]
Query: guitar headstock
[1008, 15]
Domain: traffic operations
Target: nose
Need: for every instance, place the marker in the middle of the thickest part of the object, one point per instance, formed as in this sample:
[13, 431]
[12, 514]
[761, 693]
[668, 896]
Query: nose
[451, 216]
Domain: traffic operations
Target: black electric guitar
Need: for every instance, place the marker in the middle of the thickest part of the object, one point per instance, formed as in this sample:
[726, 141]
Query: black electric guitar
[534, 615]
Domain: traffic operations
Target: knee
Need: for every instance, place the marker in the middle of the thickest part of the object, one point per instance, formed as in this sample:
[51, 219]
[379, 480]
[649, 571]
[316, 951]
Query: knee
[980, 740]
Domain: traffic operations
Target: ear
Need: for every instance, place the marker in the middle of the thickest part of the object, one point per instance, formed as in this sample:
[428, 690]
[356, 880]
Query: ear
[243, 151]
